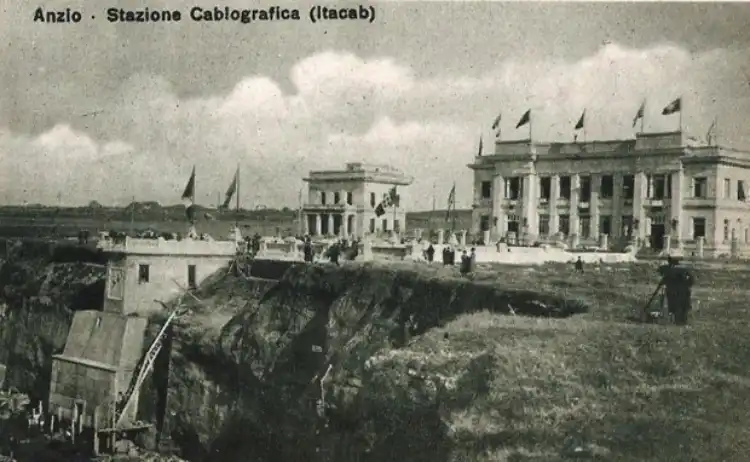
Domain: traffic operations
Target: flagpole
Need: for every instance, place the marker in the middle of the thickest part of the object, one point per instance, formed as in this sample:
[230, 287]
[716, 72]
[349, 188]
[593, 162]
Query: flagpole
[432, 215]
[530, 122]
[643, 117]
[682, 107]
[299, 213]
[132, 216]
[453, 213]
[395, 209]
[237, 199]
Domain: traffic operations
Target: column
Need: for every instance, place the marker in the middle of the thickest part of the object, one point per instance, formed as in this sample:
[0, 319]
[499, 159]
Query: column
[676, 215]
[330, 223]
[596, 181]
[498, 211]
[554, 220]
[639, 212]
[529, 201]
[617, 184]
[344, 225]
[305, 224]
[318, 224]
[575, 189]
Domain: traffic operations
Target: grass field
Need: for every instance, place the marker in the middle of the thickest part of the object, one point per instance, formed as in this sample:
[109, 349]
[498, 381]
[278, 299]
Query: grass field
[597, 386]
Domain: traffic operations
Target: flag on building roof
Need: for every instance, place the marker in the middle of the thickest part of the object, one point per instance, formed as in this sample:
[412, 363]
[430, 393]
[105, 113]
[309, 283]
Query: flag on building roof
[525, 118]
[189, 192]
[481, 146]
[581, 121]
[639, 114]
[496, 123]
[451, 202]
[231, 190]
[710, 134]
[671, 108]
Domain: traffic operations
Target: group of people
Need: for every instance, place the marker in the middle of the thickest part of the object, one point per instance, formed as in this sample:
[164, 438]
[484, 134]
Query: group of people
[348, 249]
[449, 258]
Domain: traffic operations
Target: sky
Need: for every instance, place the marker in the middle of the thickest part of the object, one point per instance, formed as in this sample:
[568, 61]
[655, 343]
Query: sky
[111, 112]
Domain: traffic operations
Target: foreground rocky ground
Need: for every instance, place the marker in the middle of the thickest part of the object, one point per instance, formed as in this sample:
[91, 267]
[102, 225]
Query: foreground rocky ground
[425, 365]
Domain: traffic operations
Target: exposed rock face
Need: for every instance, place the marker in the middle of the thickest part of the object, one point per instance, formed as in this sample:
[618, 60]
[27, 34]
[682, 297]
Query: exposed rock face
[264, 371]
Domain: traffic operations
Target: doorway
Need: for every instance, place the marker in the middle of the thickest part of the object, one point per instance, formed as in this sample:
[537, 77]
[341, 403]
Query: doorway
[192, 279]
[657, 236]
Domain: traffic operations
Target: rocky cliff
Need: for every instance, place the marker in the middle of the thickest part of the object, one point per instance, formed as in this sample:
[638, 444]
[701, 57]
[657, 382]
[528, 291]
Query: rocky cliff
[315, 366]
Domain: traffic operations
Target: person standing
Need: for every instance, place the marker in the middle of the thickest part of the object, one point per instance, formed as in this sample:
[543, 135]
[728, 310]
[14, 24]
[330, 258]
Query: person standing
[678, 286]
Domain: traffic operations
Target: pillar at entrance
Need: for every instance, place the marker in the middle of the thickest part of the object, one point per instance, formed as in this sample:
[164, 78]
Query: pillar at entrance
[330, 224]
[700, 244]
[318, 224]
[365, 249]
[735, 247]
[344, 225]
[667, 243]
[603, 241]
[486, 237]
[441, 237]
[462, 237]
[575, 240]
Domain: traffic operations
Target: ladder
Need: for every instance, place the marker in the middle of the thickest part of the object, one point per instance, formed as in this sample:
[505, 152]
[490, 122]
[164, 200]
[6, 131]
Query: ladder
[144, 368]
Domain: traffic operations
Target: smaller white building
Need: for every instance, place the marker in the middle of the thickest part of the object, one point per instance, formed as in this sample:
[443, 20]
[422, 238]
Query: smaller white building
[345, 202]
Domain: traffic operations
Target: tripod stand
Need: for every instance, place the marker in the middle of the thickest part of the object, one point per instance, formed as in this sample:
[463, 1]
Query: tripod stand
[663, 309]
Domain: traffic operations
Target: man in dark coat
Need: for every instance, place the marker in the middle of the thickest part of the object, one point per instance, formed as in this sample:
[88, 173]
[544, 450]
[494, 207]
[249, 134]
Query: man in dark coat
[334, 252]
[465, 264]
[678, 286]
[308, 250]
[430, 252]
[446, 256]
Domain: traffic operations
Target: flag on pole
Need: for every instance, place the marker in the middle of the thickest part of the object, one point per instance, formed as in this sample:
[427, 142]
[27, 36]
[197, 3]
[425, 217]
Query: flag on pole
[481, 146]
[639, 114]
[496, 123]
[673, 107]
[390, 199]
[451, 202]
[581, 121]
[189, 192]
[710, 133]
[232, 189]
[526, 118]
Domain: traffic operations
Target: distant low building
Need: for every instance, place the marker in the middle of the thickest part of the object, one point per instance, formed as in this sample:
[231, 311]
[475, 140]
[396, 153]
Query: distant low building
[656, 188]
[345, 202]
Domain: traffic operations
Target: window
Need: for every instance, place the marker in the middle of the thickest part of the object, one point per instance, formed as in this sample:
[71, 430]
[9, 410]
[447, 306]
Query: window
[585, 226]
[545, 188]
[699, 188]
[514, 188]
[336, 198]
[323, 198]
[565, 187]
[372, 199]
[659, 186]
[372, 225]
[484, 223]
[564, 224]
[192, 279]
[349, 198]
[607, 187]
[486, 189]
[741, 190]
[628, 186]
[605, 225]
[699, 227]
[727, 188]
[143, 274]
[385, 224]
[544, 225]
[726, 230]
[585, 189]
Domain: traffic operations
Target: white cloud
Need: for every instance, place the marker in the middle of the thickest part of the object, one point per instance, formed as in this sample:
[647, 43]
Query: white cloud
[346, 108]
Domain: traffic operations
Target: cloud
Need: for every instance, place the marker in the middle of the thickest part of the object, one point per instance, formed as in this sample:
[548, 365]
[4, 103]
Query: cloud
[346, 108]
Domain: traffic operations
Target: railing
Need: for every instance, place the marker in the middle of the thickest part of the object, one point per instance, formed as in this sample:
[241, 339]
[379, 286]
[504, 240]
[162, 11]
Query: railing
[163, 246]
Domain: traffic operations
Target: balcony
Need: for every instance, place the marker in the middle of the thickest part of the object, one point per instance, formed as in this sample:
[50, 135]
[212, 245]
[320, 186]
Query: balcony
[340, 207]
[161, 246]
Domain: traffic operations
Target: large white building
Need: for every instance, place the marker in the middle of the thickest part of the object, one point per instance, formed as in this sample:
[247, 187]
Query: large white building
[655, 188]
[344, 202]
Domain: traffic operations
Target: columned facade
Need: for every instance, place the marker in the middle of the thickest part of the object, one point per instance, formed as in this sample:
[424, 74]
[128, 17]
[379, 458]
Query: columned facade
[651, 191]
[346, 203]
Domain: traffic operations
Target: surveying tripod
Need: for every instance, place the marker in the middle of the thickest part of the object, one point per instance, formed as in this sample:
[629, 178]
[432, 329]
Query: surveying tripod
[659, 295]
